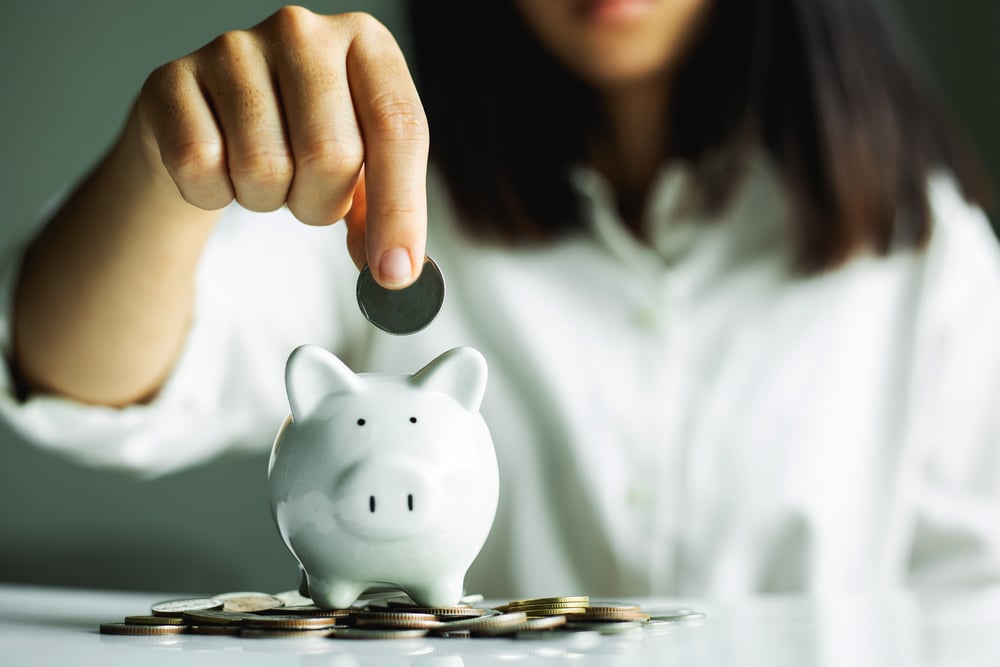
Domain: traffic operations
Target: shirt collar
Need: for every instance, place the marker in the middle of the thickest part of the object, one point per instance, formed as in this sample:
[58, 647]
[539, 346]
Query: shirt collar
[678, 228]
[667, 220]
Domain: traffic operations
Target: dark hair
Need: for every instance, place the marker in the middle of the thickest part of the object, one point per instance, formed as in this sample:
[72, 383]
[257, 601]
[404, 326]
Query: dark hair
[819, 84]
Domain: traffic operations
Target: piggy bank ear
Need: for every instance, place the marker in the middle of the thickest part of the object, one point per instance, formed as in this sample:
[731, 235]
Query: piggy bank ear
[459, 373]
[312, 374]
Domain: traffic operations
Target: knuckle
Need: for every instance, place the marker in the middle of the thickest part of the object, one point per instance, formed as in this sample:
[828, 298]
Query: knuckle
[333, 159]
[264, 169]
[319, 214]
[165, 78]
[234, 43]
[195, 161]
[399, 118]
[363, 23]
[291, 20]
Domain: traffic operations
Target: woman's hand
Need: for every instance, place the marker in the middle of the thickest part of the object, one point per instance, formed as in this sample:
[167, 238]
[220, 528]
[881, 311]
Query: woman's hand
[302, 110]
[318, 113]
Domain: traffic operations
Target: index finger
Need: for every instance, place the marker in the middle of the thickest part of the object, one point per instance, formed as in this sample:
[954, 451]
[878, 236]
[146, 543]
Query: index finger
[396, 139]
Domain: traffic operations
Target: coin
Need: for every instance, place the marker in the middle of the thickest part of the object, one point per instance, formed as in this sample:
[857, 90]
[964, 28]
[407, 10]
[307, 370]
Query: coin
[372, 633]
[472, 598]
[154, 620]
[289, 622]
[455, 634]
[447, 612]
[530, 625]
[403, 311]
[139, 629]
[605, 607]
[607, 628]
[214, 617]
[174, 607]
[248, 601]
[677, 616]
[591, 617]
[474, 624]
[306, 610]
[282, 633]
[577, 600]
[400, 621]
[292, 598]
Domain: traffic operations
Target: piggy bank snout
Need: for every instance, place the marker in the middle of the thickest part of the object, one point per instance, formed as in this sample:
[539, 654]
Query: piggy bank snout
[385, 499]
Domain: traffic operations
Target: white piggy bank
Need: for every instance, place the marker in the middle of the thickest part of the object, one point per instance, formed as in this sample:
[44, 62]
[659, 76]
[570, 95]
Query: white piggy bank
[384, 480]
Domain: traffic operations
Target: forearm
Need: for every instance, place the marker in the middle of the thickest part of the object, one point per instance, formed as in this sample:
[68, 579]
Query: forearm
[106, 291]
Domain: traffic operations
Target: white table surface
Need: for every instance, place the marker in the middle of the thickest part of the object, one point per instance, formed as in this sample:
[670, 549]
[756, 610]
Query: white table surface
[54, 626]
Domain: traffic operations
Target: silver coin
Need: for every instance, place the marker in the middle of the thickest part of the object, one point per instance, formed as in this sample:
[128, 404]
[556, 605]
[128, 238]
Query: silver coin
[677, 616]
[403, 311]
[608, 628]
[174, 607]
[247, 601]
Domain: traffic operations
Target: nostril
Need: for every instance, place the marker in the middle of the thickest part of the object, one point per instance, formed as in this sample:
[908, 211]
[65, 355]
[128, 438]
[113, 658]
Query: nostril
[371, 504]
[409, 501]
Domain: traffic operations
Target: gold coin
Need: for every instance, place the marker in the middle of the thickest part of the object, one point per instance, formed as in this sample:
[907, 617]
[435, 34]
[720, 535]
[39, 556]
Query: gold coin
[542, 605]
[579, 600]
[553, 611]
[290, 622]
[174, 607]
[247, 601]
[213, 617]
[154, 620]
[138, 629]
[605, 607]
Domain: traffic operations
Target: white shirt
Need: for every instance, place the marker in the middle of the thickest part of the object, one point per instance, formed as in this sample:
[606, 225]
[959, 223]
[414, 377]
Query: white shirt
[683, 417]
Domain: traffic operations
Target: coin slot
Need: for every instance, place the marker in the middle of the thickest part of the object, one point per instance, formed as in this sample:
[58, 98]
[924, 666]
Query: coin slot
[409, 501]
[371, 504]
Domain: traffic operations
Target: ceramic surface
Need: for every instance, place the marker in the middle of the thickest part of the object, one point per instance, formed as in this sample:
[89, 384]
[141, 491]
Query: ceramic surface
[379, 479]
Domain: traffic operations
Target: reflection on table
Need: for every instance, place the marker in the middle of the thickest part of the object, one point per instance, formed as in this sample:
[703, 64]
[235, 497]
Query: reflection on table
[953, 629]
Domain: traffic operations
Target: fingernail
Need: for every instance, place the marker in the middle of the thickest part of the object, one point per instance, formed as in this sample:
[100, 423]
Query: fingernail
[395, 268]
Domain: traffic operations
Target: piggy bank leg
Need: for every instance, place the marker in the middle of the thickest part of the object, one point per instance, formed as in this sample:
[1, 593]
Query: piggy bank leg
[303, 583]
[335, 593]
[442, 592]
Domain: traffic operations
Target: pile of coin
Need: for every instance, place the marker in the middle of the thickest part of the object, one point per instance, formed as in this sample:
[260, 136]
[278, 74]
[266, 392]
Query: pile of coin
[288, 614]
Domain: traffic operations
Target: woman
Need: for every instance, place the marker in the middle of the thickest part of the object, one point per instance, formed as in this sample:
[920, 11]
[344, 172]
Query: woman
[724, 260]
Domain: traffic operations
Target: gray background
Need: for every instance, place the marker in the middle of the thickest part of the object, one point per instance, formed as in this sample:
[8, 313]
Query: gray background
[70, 70]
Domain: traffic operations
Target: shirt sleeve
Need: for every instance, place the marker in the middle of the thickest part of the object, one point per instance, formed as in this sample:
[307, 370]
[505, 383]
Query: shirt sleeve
[265, 283]
[956, 540]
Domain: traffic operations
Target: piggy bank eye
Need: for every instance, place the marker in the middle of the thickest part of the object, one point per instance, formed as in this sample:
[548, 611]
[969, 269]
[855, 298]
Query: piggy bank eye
[361, 422]
[413, 420]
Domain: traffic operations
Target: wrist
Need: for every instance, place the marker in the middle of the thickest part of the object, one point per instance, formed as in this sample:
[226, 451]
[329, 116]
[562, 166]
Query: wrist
[136, 157]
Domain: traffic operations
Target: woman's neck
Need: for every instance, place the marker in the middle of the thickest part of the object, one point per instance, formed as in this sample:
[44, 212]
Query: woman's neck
[633, 148]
